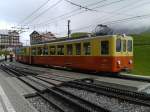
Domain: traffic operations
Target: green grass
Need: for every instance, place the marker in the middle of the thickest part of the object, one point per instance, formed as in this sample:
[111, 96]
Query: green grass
[141, 54]
[142, 60]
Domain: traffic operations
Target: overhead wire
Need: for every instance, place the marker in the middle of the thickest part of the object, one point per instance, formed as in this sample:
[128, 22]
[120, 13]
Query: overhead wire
[80, 6]
[70, 12]
[118, 10]
[43, 12]
[84, 11]
[30, 15]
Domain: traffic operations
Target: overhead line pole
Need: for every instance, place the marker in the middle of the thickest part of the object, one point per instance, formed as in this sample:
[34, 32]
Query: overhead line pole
[69, 29]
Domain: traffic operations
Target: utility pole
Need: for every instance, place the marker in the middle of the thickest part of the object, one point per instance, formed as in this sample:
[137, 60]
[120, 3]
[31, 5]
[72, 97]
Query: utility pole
[68, 28]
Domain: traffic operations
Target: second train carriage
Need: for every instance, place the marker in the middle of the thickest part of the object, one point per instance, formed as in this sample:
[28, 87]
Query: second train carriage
[110, 53]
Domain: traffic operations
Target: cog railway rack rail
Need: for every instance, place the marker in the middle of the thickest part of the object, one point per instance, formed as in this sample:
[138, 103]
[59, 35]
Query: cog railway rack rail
[75, 103]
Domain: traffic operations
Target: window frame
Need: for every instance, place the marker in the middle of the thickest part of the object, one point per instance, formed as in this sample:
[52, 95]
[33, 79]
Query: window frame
[87, 49]
[47, 53]
[78, 51]
[54, 50]
[118, 48]
[108, 47]
[67, 52]
[131, 46]
[60, 50]
[124, 45]
[38, 50]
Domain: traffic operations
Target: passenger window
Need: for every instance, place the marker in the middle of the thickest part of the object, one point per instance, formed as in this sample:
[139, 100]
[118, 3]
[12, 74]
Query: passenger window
[118, 45]
[45, 50]
[60, 49]
[87, 48]
[33, 51]
[39, 51]
[78, 48]
[52, 50]
[69, 49]
[124, 46]
[130, 45]
[104, 47]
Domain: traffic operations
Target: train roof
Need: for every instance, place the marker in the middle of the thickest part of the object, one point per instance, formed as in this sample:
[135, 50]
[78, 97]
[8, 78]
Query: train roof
[79, 39]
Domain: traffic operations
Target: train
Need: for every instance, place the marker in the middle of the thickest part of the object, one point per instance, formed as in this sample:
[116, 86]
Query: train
[107, 53]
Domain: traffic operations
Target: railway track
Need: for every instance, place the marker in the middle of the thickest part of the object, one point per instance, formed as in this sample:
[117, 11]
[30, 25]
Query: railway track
[75, 103]
[118, 76]
[134, 97]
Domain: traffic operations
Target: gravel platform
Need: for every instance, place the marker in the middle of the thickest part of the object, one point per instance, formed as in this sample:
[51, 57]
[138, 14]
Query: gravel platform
[18, 102]
[112, 104]
[21, 87]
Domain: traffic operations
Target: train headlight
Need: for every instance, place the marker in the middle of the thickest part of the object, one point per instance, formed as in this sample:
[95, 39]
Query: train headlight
[118, 62]
[130, 61]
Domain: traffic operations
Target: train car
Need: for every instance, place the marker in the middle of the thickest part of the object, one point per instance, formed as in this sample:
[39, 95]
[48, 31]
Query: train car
[23, 54]
[109, 53]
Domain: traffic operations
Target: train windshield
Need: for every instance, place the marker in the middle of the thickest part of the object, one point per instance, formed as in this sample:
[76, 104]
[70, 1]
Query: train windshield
[118, 45]
[130, 45]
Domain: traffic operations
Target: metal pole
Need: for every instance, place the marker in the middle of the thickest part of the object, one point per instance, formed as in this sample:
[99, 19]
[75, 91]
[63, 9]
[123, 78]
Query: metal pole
[68, 28]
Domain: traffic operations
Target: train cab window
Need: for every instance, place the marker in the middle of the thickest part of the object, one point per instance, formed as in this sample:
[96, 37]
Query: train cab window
[52, 50]
[78, 48]
[87, 48]
[118, 45]
[39, 51]
[124, 46]
[33, 51]
[69, 49]
[105, 47]
[45, 50]
[130, 45]
[60, 49]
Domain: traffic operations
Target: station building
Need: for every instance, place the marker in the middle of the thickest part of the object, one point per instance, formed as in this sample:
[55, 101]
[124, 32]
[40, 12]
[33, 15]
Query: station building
[9, 40]
[41, 37]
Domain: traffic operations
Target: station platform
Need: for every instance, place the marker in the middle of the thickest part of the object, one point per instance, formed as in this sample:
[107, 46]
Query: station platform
[12, 100]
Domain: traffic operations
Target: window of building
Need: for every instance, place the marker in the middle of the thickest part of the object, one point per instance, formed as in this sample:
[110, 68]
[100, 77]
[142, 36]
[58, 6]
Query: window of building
[60, 49]
[118, 45]
[52, 50]
[78, 48]
[87, 48]
[105, 47]
[130, 45]
[124, 46]
[45, 50]
[69, 49]
[39, 51]
[33, 51]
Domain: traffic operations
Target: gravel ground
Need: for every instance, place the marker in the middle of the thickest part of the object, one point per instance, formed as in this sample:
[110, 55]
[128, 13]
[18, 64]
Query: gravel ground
[112, 104]
[41, 105]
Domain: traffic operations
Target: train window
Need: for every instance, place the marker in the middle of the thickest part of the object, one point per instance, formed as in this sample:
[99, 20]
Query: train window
[124, 46]
[78, 48]
[45, 50]
[33, 51]
[87, 48]
[130, 45]
[69, 49]
[39, 51]
[52, 50]
[105, 47]
[60, 49]
[118, 45]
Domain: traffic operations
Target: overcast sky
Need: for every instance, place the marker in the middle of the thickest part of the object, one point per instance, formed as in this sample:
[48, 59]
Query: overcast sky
[49, 17]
